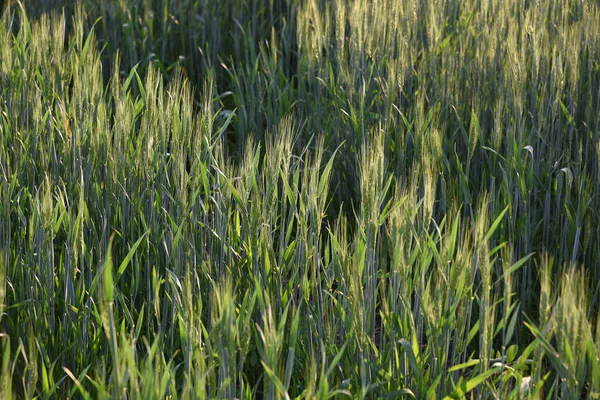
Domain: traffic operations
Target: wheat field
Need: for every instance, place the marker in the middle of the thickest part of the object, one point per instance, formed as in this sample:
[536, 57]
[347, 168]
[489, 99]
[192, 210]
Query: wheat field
[314, 199]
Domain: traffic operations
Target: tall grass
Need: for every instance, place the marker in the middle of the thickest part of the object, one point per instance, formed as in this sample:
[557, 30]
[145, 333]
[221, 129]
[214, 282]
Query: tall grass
[281, 199]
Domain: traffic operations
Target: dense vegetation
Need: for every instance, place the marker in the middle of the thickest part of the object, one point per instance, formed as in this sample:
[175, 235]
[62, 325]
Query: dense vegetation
[286, 198]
